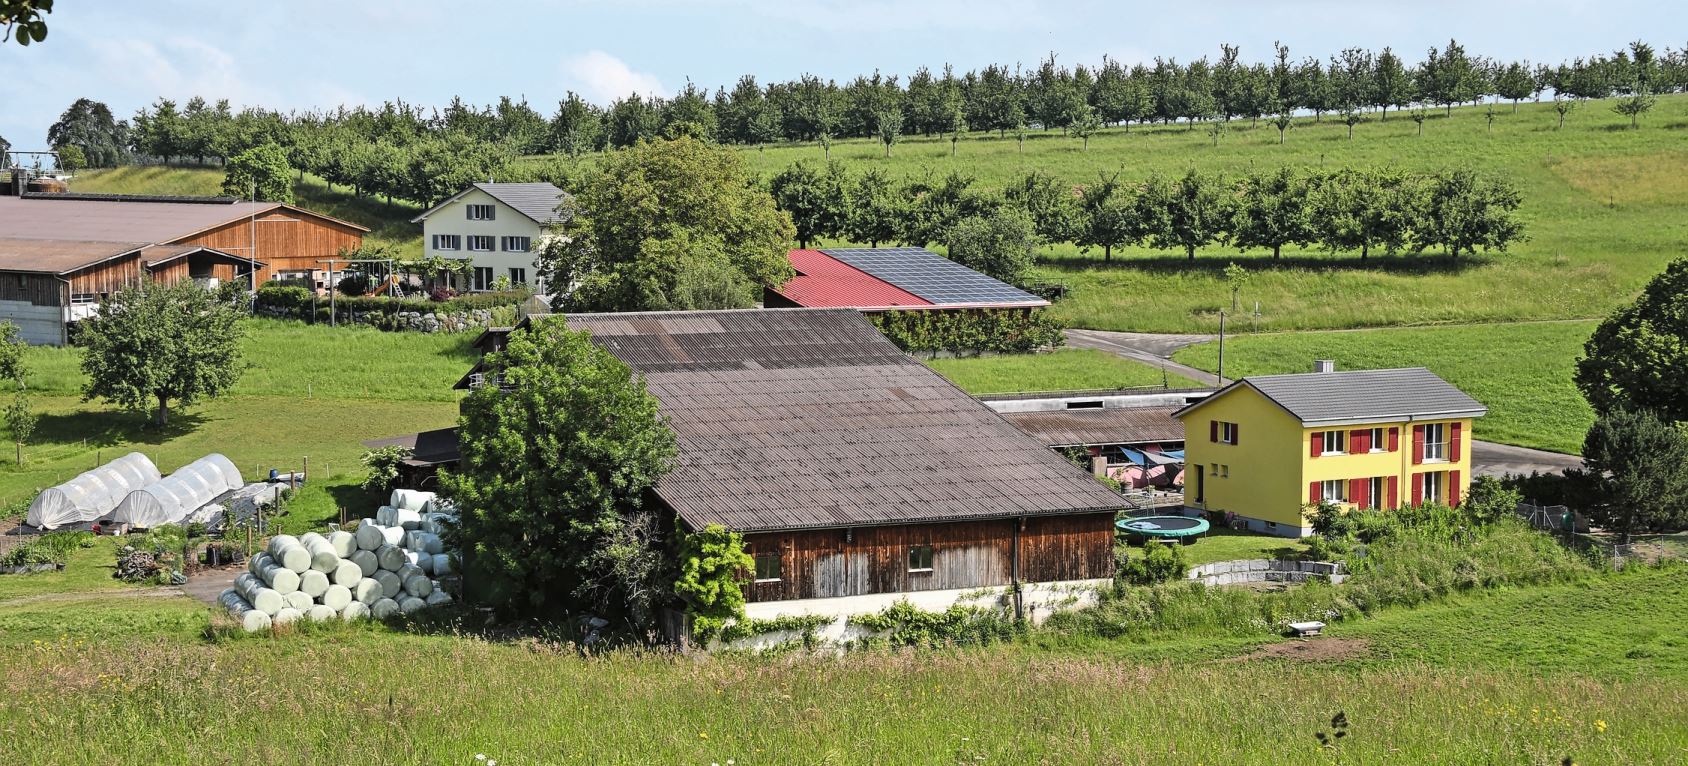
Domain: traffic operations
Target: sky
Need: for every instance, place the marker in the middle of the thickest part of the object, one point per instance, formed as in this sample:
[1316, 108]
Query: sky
[318, 54]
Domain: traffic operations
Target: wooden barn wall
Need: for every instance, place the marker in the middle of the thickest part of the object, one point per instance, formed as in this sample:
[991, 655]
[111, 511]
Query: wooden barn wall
[184, 268]
[107, 277]
[286, 241]
[38, 289]
[831, 563]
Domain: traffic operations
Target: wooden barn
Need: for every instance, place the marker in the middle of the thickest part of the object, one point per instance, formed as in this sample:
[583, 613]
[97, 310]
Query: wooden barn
[61, 254]
[857, 475]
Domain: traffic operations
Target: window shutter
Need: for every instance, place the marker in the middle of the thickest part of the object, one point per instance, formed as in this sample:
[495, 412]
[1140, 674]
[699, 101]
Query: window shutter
[1236, 428]
[1418, 488]
[1453, 488]
[1392, 492]
[1213, 430]
[1418, 447]
[1313, 493]
[1394, 439]
[1354, 442]
[1357, 492]
[1453, 442]
[1318, 443]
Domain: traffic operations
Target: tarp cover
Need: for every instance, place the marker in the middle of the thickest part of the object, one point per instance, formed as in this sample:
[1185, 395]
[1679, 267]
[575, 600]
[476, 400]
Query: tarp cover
[93, 494]
[177, 496]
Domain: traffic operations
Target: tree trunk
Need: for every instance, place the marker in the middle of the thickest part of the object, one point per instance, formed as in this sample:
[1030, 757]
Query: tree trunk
[1107, 253]
[1384, 111]
[163, 417]
[20, 452]
[1277, 251]
[1421, 130]
[1190, 250]
[1365, 249]
[1280, 136]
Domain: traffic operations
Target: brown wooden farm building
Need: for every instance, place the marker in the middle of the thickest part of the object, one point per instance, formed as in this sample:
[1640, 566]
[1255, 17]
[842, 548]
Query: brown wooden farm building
[851, 468]
[60, 254]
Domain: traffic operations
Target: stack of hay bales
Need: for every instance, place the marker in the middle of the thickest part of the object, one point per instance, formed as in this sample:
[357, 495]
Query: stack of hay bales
[387, 567]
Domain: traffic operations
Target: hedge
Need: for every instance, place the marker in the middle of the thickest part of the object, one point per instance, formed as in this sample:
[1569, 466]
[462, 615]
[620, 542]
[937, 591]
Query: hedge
[296, 302]
[969, 332]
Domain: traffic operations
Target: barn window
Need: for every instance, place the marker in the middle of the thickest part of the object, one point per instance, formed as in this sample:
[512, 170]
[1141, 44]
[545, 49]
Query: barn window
[481, 212]
[767, 567]
[920, 558]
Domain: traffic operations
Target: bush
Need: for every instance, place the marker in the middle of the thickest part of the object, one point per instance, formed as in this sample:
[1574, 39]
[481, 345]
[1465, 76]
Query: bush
[290, 298]
[908, 625]
[969, 333]
[383, 464]
[354, 285]
[1160, 562]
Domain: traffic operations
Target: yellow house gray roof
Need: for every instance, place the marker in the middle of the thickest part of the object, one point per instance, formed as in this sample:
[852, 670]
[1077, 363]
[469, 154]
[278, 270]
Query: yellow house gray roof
[1359, 396]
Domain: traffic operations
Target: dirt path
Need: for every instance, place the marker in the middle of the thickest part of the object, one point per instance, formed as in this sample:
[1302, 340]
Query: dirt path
[93, 595]
[1308, 650]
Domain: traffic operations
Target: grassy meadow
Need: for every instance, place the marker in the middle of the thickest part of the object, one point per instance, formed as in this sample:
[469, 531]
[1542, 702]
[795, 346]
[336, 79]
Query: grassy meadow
[1073, 369]
[1521, 371]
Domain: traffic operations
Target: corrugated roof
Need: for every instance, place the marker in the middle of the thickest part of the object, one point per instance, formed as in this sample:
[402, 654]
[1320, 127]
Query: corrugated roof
[134, 220]
[809, 418]
[59, 256]
[936, 279]
[535, 200]
[428, 448]
[826, 282]
[1360, 395]
[1114, 425]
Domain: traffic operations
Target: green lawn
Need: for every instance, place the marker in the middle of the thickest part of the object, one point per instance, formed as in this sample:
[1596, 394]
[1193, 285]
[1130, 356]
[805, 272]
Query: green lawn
[1074, 369]
[1231, 545]
[1521, 371]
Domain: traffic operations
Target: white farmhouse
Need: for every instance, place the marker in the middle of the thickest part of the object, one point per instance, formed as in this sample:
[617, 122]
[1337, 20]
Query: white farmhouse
[496, 227]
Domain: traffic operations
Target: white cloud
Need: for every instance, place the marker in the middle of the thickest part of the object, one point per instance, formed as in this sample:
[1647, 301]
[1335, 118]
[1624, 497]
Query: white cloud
[601, 78]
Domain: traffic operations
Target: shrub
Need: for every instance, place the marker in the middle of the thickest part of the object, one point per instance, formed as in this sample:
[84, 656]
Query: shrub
[711, 582]
[354, 285]
[969, 333]
[908, 625]
[289, 298]
[1160, 562]
[383, 464]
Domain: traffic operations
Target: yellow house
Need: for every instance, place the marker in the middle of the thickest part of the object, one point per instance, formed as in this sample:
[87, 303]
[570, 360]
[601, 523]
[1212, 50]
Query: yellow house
[1263, 448]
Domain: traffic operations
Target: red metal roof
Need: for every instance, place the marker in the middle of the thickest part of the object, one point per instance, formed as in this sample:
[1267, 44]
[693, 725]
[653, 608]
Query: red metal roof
[825, 282]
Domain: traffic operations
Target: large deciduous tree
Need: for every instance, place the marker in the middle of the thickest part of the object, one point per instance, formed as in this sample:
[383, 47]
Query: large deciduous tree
[558, 458]
[645, 213]
[1048, 201]
[814, 198]
[89, 126]
[1465, 212]
[998, 244]
[1639, 464]
[1637, 356]
[876, 208]
[1107, 217]
[1273, 211]
[154, 346]
[261, 171]
[1187, 213]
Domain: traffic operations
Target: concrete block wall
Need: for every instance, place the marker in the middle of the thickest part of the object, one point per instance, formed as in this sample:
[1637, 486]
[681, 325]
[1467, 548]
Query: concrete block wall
[1265, 570]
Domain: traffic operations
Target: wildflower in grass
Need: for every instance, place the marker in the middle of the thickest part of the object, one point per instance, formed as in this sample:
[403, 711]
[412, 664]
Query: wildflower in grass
[703, 735]
[1600, 725]
[480, 756]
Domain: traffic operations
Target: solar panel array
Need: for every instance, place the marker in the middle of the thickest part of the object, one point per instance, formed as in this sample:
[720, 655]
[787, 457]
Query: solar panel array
[931, 276]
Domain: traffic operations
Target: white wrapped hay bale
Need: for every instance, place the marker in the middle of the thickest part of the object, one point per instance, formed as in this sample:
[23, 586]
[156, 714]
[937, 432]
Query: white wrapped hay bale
[442, 564]
[411, 605]
[408, 571]
[347, 574]
[384, 608]
[409, 499]
[384, 516]
[438, 597]
[419, 586]
[390, 557]
[251, 619]
[320, 613]
[299, 601]
[344, 543]
[368, 535]
[290, 554]
[357, 610]
[407, 519]
[365, 560]
[279, 542]
[337, 597]
[262, 598]
[258, 562]
[367, 591]
[323, 557]
[286, 616]
[313, 583]
[440, 506]
[390, 583]
[282, 579]
[425, 563]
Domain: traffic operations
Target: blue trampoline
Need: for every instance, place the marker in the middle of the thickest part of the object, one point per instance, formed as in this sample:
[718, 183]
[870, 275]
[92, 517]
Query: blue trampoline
[1167, 527]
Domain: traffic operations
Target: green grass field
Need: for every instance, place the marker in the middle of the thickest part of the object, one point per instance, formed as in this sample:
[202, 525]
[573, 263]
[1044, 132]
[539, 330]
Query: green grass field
[1521, 371]
[1074, 369]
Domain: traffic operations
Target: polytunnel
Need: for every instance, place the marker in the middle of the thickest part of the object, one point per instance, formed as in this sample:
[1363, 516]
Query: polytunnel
[92, 494]
[175, 497]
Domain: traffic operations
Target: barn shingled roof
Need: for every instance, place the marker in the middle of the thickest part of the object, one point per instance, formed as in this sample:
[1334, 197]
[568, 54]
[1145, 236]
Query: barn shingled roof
[809, 418]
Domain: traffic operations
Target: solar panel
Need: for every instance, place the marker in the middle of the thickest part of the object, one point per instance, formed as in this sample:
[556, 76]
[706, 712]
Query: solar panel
[931, 276]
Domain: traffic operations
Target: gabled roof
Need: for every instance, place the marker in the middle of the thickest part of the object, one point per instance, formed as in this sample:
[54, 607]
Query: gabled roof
[1358, 396]
[111, 218]
[537, 201]
[1102, 426]
[809, 418]
[894, 278]
[59, 256]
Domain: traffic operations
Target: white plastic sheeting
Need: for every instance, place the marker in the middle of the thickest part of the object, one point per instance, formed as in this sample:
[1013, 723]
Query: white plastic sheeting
[174, 497]
[93, 494]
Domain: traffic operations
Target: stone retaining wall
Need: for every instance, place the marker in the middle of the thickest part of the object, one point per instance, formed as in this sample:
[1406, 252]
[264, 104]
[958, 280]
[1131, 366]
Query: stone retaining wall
[411, 321]
[1266, 570]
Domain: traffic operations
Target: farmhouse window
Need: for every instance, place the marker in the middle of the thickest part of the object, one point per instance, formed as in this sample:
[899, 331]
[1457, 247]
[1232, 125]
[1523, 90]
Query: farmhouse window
[517, 244]
[1376, 440]
[768, 567]
[1327, 443]
[1435, 442]
[482, 212]
[920, 558]
[1227, 433]
[482, 278]
[448, 242]
[1332, 491]
[1375, 488]
[518, 276]
[1433, 487]
[482, 242]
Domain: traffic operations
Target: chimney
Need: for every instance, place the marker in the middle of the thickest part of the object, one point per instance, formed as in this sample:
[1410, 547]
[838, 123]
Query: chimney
[1324, 365]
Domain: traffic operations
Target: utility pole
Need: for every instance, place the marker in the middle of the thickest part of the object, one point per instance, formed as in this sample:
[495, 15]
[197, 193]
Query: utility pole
[1221, 349]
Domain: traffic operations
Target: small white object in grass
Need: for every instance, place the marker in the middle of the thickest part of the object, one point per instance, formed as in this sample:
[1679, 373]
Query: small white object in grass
[390, 583]
[313, 583]
[366, 562]
[383, 609]
[321, 613]
[390, 557]
[367, 591]
[336, 597]
[286, 616]
[357, 610]
[343, 542]
[412, 604]
[419, 586]
[298, 601]
[347, 574]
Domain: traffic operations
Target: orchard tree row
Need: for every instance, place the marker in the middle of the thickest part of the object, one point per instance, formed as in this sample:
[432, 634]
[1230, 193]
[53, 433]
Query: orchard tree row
[1349, 210]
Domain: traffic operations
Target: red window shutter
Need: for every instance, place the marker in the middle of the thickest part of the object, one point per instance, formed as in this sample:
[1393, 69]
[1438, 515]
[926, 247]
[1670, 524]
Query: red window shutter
[1394, 439]
[1392, 492]
[1357, 492]
[1453, 488]
[1213, 430]
[1418, 489]
[1418, 447]
[1453, 442]
[1354, 442]
[1314, 496]
[1318, 443]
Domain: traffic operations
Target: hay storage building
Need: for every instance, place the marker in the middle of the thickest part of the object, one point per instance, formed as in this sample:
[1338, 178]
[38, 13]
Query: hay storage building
[857, 475]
